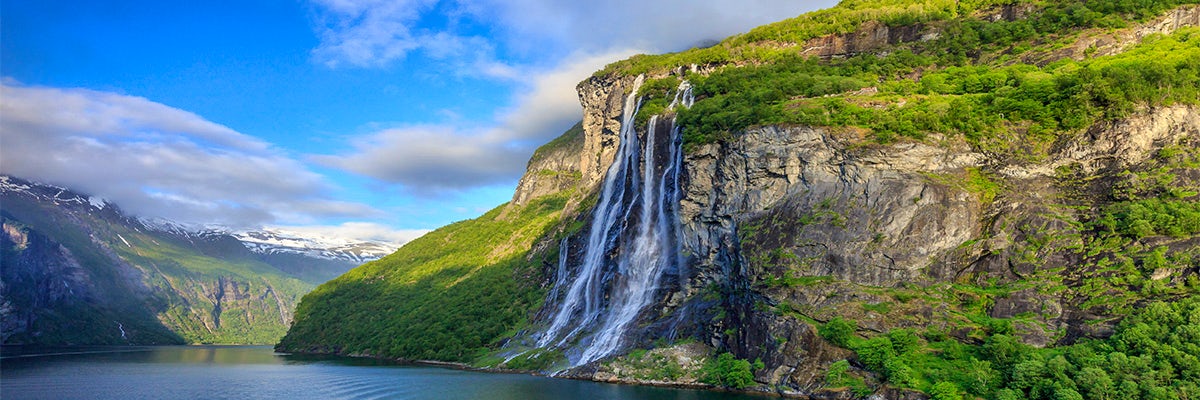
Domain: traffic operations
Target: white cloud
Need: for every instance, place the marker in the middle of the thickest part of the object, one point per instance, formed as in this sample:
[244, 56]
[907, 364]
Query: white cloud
[431, 159]
[570, 40]
[367, 32]
[656, 26]
[157, 161]
[437, 159]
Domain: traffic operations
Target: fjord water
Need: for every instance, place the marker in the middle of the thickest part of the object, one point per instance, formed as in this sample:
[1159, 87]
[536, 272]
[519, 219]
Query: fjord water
[256, 372]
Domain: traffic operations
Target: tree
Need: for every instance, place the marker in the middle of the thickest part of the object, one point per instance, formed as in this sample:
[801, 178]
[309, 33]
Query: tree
[904, 340]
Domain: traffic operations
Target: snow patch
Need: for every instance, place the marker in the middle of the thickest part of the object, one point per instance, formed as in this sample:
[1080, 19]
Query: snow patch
[7, 185]
[98, 202]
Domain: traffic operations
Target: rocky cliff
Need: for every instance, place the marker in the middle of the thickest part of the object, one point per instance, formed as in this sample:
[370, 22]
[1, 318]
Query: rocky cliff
[786, 227]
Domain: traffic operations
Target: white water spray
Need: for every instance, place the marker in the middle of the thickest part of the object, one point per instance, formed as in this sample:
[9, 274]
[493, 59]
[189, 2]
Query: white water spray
[632, 240]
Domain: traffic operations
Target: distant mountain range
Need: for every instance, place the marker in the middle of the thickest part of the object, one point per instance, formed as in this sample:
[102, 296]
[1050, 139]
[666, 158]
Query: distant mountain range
[78, 270]
[278, 241]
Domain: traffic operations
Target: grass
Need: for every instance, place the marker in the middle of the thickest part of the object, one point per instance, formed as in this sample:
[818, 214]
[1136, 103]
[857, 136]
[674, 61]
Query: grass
[450, 295]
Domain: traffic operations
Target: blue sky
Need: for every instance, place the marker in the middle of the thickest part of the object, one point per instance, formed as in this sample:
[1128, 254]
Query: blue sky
[380, 119]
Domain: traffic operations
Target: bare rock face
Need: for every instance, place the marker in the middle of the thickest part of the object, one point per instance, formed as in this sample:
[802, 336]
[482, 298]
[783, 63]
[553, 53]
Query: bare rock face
[603, 99]
[553, 168]
[870, 36]
[873, 216]
[1130, 141]
[49, 274]
[802, 204]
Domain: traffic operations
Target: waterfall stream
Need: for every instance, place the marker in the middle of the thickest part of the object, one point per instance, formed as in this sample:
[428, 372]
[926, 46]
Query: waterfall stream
[632, 240]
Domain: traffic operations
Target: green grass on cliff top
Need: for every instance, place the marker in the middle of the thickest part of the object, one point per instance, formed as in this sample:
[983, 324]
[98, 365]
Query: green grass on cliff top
[767, 43]
[994, 83]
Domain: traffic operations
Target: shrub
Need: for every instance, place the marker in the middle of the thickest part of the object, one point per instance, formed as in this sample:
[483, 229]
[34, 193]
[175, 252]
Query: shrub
[945, 391]
[904, 340]
[727, 371]
[875, 353]
[838, 331]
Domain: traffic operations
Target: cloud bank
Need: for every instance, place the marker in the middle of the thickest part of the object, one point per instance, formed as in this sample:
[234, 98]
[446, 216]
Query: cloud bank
[157, 161]
[562, 43]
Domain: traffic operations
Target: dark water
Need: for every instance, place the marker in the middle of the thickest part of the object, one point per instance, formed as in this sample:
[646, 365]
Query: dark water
[241, 372]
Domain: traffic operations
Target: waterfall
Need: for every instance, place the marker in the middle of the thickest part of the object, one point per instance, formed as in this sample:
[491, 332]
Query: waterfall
[632, 240]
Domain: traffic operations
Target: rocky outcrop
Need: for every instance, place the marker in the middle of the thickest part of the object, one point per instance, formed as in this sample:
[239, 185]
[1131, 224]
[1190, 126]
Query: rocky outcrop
[603, 101]
[553, 168]
[871, 36]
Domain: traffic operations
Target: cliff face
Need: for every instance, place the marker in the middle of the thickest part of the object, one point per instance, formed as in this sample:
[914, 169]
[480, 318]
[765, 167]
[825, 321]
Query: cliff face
[786, 227]
[800, 224]
[603, 101]
[779, 211]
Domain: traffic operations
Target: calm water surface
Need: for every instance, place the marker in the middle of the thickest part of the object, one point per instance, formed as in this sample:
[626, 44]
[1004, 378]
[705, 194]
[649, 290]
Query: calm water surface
[242, 372]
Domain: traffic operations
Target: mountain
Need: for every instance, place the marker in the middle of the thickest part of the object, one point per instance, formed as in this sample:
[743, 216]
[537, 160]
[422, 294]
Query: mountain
[282, 241]
[313, 258]
[904, 199]
[77, 270]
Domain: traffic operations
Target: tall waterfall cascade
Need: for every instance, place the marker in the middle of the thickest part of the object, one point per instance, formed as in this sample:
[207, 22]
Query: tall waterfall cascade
[631, 243]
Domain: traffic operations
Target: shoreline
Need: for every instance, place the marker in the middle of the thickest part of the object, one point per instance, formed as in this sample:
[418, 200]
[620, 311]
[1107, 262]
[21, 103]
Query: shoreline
[697, 386]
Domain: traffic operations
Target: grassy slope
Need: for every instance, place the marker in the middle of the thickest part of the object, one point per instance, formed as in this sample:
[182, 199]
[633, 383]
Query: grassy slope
[449, 295]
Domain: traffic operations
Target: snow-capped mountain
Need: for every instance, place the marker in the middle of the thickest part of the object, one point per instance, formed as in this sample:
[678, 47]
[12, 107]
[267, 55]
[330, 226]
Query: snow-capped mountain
[77, 270]
[50, 194]
[315, 255]
[277, 241]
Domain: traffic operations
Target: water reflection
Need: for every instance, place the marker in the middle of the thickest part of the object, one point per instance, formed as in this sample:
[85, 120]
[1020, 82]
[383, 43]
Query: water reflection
[237, 372]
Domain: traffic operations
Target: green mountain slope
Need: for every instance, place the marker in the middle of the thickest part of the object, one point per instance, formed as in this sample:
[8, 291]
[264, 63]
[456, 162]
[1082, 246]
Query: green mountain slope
[448, 295]
[80, 273]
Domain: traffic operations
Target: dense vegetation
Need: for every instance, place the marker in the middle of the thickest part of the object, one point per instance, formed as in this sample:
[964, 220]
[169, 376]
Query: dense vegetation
[450, 295]
[982, 79]
[725, 370]
[965, 36]
[1154, 354]
[981, 103]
